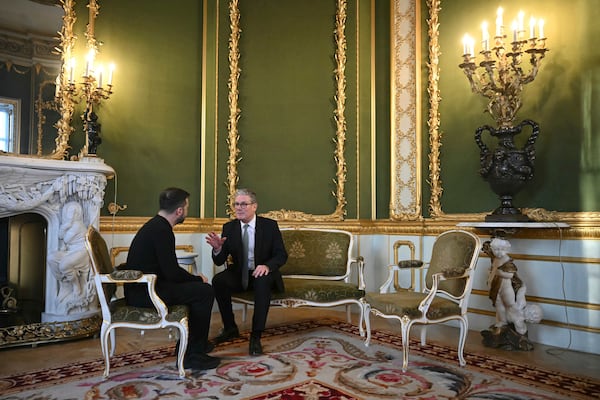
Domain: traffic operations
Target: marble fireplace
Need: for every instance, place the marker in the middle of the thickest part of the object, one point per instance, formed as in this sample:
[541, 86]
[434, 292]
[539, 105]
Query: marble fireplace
[68, 195]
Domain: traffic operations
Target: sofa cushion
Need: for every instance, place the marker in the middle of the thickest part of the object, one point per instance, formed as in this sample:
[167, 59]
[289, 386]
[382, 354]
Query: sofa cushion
[315, 290]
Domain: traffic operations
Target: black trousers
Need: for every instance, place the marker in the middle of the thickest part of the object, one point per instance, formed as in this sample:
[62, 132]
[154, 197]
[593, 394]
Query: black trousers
[199, 297]
[229, 281]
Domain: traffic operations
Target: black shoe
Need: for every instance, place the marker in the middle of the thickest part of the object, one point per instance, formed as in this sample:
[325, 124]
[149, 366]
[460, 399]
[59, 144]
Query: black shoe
[226, 335]
[255, 348]
[198, 361]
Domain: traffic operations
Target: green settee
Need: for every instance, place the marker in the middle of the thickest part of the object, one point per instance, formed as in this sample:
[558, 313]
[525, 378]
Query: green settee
[318, 272]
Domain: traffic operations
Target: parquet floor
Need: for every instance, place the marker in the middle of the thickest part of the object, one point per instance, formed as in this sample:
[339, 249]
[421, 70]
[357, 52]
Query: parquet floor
[20, 359]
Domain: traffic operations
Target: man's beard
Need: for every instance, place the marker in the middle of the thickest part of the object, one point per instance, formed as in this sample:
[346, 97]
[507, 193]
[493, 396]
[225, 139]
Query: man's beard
[180, 220]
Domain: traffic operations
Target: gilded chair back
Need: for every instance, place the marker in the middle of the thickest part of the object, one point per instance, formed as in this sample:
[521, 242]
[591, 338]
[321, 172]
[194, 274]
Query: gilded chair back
[101, 264]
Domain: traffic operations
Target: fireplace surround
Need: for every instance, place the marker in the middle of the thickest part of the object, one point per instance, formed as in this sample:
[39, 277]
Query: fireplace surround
[69, 196]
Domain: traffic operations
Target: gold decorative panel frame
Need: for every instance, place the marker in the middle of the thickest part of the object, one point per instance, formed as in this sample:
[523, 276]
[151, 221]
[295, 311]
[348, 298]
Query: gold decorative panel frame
[339, 118]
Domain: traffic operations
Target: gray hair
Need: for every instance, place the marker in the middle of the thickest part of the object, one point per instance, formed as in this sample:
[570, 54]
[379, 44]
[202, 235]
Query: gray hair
[246, 192]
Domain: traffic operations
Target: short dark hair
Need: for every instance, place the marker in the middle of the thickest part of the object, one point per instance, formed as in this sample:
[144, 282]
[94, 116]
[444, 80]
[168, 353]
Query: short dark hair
[172, 198]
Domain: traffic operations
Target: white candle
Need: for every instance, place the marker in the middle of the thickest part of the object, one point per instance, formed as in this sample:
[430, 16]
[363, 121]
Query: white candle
[110, 74]
[465, 44]
[485, 36]
[521, 17]
[515, 30]
[100, 70]
[532, 28]
[541, 28]
[499, 23]
[89, 63]
[471, 46]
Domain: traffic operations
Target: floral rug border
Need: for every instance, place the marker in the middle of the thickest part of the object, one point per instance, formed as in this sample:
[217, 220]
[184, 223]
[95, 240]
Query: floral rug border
[507, 369]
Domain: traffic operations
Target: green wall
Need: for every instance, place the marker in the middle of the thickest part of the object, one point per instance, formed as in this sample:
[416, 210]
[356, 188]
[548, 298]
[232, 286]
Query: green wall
[152, 125]
[563, 99]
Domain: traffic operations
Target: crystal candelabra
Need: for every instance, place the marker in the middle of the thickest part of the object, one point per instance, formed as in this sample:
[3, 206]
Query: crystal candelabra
[500, 76]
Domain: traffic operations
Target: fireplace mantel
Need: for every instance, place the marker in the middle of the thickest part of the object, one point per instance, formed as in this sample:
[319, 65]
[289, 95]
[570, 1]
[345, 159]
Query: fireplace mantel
[69, 195]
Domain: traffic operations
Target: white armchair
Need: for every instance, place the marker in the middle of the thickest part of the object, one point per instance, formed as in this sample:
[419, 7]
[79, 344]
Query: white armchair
[116, 314]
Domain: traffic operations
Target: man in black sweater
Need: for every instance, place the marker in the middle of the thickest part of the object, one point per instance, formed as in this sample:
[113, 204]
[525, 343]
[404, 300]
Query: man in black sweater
[152, 251]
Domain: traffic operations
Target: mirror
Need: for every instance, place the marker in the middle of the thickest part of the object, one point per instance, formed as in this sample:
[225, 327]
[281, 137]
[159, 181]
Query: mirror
[29, 65]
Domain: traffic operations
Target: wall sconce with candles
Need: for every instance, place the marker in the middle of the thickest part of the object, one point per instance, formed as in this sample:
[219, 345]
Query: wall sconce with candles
[93, 88]
[500, 77]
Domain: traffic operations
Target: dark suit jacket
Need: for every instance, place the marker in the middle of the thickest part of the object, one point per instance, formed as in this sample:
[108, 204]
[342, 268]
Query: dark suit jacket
[269, 249]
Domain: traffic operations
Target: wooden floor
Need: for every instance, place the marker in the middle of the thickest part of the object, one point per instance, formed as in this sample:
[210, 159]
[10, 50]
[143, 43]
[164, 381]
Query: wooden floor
[21, 359]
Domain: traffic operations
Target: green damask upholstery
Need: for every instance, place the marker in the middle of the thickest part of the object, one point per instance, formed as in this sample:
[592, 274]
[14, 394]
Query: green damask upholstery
[408, 304]
[320, 253]
[317, 272]
[314, 290]
[445, 297]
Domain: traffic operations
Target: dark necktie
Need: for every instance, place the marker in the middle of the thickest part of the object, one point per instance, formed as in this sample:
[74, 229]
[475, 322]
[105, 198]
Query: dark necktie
[245, 257]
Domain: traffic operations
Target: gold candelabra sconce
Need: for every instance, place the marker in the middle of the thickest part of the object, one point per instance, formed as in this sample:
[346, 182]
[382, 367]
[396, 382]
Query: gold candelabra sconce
[95, 86]
[500, 76]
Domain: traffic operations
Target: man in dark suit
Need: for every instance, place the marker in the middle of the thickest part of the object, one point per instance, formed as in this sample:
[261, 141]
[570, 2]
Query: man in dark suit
[152, 251]
[257, 252]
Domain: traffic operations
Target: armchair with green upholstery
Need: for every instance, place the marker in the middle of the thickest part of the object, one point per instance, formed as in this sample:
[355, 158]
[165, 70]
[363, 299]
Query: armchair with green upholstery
[116, 314]
[445, 295]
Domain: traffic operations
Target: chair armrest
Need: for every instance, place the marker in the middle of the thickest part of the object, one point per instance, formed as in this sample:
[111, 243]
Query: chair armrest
[360, 269]
[410, 264]
[436, 279]
[126, 274]
[385, 287]
[134, 276]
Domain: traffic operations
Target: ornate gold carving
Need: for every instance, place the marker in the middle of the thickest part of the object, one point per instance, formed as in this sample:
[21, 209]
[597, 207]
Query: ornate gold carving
[41, 106]
[339, 117]
[233, 97]
[435, 136]
[582, 226]
[46, 332]
[65, 100]
[540, 214]
[114, 208]
[405, 202]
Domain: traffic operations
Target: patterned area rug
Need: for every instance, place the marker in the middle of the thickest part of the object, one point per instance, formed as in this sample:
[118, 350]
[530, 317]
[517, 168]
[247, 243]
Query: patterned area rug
[304, 361]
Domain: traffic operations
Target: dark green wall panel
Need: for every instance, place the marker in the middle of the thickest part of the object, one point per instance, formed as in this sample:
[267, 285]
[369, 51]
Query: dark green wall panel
[286, 99]
[151, 124]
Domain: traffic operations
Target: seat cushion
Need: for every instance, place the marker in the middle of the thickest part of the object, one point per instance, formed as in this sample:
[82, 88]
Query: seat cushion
[318, 291]
[407, 303]
[144, 315]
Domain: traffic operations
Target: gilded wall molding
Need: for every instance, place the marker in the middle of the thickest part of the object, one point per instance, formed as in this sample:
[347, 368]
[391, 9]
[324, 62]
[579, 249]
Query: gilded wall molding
[405, 201]
[338, 115]
[582, 227]
[433, 122]
[584, 224]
